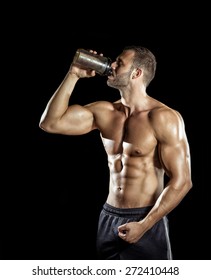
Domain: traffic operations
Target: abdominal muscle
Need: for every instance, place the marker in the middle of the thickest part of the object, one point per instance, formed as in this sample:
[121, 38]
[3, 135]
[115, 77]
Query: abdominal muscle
[134, 181]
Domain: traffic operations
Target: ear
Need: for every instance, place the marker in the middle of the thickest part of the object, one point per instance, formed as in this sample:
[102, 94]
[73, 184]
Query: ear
[136, 73]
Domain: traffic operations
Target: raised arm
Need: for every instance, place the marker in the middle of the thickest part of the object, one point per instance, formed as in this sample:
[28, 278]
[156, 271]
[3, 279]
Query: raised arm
[58, 117]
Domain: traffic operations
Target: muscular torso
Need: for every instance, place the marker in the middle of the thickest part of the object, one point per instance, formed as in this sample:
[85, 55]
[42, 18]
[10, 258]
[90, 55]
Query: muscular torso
[136, 174]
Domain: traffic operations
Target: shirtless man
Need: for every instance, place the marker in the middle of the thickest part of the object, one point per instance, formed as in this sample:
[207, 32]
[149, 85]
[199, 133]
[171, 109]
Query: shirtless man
[144, 139]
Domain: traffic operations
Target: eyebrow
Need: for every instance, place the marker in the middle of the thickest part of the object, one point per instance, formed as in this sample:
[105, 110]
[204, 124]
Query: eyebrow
[118, 59]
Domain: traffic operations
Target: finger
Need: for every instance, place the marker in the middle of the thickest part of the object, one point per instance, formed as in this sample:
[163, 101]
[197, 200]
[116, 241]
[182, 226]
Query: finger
[122, 233]
[122, 227]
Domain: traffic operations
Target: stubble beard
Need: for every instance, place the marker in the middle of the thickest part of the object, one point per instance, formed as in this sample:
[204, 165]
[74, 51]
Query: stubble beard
[121, 81]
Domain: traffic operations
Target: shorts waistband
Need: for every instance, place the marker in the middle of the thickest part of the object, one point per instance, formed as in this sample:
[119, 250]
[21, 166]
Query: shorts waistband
[126, 211]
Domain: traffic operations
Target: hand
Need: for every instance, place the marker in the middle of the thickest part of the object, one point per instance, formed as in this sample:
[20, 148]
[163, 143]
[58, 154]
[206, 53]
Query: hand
[131, 232]
[81, 73]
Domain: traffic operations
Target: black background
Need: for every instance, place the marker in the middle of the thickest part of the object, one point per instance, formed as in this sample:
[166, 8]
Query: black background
[53, 186]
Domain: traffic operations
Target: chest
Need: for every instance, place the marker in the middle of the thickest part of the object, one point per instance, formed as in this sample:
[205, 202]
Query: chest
[133, 136]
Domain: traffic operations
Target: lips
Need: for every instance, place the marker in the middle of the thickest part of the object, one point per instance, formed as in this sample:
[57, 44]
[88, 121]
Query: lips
[111, 77]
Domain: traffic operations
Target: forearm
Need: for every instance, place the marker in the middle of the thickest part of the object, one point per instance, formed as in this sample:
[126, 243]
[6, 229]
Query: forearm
[58, 103]
[166, 202]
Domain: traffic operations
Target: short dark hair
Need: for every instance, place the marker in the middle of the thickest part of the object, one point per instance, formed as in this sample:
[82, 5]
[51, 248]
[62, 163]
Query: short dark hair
[145, 59]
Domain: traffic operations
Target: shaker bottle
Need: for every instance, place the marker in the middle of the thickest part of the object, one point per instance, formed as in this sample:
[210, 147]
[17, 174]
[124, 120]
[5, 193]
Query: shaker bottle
[88, 60]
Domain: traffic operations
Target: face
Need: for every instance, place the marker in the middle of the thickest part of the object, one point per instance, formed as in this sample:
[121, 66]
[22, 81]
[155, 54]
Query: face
[121, 70]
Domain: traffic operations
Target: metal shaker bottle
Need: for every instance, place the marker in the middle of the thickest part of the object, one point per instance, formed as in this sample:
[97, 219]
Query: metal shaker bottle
[88, 60]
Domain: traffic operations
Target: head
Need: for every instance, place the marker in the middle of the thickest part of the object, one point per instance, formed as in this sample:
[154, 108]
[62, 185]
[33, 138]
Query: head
[143, 59]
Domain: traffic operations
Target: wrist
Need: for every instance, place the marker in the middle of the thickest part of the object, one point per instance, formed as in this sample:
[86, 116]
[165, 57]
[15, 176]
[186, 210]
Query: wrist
[73, 74]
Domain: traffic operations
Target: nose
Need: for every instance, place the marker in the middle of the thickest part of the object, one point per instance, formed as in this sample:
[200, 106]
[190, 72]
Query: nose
[113, 65]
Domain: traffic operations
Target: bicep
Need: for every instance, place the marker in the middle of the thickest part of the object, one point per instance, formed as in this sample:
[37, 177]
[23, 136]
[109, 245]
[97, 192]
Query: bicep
[174, 151]
[77, 120]
[176, 160]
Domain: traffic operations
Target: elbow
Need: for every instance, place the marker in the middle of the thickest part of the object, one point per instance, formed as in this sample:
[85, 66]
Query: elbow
[46, 126]
[47, 123]
[183, 186]
[187, 185]
[43, 126]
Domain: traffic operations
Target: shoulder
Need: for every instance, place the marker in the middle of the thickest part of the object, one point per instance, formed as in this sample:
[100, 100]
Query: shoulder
[165, 114]
[100, 106]
[104, 114]
[167, 122]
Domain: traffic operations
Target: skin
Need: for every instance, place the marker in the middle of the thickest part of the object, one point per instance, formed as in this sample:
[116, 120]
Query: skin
[143, 138]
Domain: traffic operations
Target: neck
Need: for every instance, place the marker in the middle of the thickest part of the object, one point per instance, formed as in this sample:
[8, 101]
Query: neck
[137, 101]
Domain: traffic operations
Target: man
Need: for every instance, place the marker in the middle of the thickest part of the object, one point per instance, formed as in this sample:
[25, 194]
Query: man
[144, 139]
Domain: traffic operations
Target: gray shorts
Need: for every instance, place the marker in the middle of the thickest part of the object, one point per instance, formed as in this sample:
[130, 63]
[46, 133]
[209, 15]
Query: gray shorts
[154, 245]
